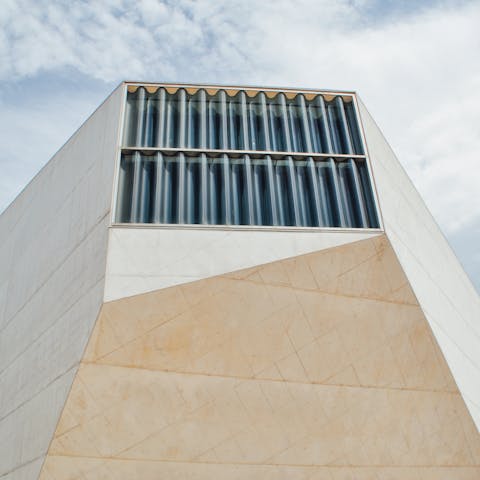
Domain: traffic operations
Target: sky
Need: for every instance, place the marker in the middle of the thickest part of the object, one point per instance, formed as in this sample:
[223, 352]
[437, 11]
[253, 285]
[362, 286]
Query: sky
[415, 64]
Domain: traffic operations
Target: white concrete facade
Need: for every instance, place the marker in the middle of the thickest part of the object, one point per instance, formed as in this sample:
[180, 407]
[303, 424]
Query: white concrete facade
[445, 293]
[52, 268]
[62, 258]
[141, 260]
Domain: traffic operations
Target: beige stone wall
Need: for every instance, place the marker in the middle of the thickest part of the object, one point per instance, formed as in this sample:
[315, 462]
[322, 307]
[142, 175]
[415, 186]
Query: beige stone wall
[317, 367]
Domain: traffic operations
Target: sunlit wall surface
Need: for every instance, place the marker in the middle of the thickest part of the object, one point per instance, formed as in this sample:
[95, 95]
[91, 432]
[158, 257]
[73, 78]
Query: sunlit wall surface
[234, 157]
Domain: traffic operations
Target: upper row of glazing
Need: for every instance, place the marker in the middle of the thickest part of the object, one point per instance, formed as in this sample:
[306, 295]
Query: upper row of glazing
[240, 122]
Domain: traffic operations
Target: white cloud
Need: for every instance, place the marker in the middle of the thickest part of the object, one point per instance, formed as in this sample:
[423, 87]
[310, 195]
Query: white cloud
[417, 71]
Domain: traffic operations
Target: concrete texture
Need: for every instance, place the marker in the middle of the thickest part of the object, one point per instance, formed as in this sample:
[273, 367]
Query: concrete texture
[319, 366]
[230, 353]
[145, 259]
[52, 269]
[447, 297]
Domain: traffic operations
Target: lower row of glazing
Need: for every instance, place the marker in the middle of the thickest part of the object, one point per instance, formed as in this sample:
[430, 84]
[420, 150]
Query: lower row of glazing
[223, 190]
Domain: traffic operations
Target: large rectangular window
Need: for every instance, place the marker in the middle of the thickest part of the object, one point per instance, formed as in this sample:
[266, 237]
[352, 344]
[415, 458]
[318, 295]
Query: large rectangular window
[219, 121]
[223, 157]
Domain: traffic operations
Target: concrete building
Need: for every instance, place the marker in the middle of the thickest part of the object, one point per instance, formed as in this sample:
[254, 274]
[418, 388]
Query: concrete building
[228, 282]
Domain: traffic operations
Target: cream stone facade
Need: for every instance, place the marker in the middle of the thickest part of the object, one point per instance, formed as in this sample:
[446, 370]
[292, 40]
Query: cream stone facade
[139, 350]
[320, 366]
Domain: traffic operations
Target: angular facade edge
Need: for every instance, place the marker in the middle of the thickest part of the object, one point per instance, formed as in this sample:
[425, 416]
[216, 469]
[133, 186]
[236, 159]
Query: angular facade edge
[317, 366]
[67, 210]
[145, 258]
[140, 260]
[52, 271]
[444, 291]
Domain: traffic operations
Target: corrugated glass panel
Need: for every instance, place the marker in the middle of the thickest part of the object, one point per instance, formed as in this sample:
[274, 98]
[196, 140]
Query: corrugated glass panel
[241, 190]
[189, 158]
[222, 122]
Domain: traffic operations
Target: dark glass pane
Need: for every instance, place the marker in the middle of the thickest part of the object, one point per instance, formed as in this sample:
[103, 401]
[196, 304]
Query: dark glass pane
[222, 190]
[163, 119]
[368, 194]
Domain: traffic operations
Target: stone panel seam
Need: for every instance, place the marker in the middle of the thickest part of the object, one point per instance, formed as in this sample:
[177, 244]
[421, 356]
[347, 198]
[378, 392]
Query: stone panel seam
[445, 295]
[77, 366]
[227, 276]
[431, 319]
[77, 245]
[38, 393]
[261, 379]
[462, 352]
[324, 292]
[296, 354]
[22, 465]
[165, 427]
[98, 360]
[38, 338]
[190, 279]
[27, 401]
[300, 465]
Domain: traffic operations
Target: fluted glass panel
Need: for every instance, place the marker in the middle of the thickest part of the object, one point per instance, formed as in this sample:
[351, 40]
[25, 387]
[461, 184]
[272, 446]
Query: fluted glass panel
[310, 168]
[224, 120]
[244, 190]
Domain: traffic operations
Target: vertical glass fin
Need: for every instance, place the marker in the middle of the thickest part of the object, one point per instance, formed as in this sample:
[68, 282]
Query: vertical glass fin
[235, 157]
[225, 190]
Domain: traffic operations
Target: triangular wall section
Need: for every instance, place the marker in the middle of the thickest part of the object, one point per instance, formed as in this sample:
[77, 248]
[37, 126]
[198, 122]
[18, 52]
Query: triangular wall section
[446, 295]
[318, 366]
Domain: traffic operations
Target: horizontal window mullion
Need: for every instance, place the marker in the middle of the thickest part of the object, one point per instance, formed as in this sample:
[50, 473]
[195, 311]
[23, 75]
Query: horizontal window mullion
[217, 156]
[256, 153]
